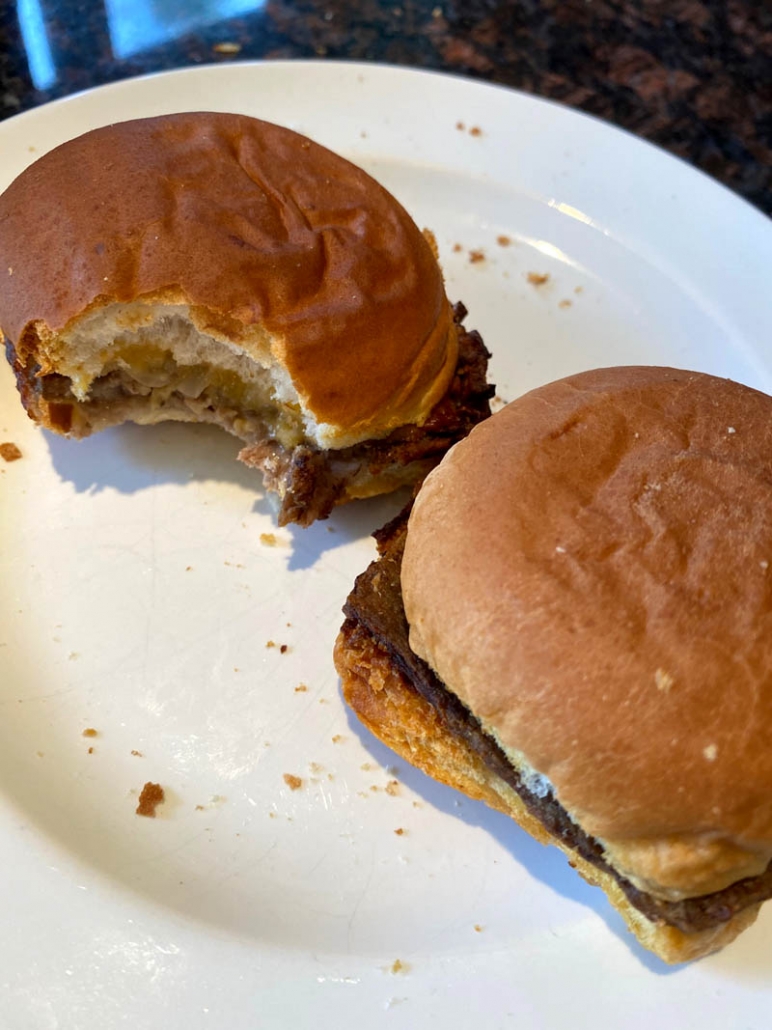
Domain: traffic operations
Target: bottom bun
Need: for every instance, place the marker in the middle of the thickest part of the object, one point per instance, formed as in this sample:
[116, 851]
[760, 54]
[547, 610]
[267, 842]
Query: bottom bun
[393, 711]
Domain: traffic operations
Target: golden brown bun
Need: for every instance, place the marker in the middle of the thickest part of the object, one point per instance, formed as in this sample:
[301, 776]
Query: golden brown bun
[268, 242]
[409, 725]
[589, 571]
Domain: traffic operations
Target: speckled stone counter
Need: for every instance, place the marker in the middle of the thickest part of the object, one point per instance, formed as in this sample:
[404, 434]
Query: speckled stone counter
[694, 76]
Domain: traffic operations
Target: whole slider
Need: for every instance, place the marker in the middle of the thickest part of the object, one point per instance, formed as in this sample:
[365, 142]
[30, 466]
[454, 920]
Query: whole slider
[575, 626]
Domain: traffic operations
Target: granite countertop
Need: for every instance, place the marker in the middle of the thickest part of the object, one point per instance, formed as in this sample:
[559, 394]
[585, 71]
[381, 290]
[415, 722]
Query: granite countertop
[694, 76]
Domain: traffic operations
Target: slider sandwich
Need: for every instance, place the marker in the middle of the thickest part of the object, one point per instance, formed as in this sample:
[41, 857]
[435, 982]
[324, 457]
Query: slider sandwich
[575, 626]
[215, 268]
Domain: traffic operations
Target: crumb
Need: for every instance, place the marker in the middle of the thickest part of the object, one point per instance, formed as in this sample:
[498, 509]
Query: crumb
[236, 668]
[366, 767]
[537, 278]
[731, 430]
[199, 808]
[271, 815]
[330, 529]
[40, 754]
[89, 732]
[460, 126]
[477, 928]
[227, 48]
[233, 565]
[392, 788]
[504, 241]
[578, 289]
[315, 767]
[137, 754]
[710, 752]
[188, 568]
[398, 966]
[457, 248]
[476, 256]
[9, 452]
[73, 656]
[400, 832]
[374, 787]
[564, 304]
[269, 539]
[293, 782]
[289, 624]
[330, 776]
[151, 797]
[270, 643]
[323, 701]
[416, 804]
[363, 134]
[90, 751]
[338, 738]
[301, 688]
[475, 131]
[283, 649]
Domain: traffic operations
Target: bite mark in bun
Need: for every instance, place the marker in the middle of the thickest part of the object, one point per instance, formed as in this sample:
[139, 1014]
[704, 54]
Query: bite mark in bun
[579, 634]
[217, 268]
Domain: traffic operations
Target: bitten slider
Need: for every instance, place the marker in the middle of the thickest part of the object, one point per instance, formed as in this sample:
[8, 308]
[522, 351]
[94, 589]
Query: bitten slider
[217, 268]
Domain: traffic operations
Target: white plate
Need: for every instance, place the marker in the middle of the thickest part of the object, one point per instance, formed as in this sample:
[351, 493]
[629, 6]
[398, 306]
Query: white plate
[137, 598]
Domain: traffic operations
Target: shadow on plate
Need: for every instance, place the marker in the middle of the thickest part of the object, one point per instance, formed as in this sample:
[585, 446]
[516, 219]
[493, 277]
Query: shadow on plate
[131, 458]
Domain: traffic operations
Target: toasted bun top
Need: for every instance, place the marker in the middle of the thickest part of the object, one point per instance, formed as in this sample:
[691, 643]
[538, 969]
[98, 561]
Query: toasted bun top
[591, 572]
[254, 226]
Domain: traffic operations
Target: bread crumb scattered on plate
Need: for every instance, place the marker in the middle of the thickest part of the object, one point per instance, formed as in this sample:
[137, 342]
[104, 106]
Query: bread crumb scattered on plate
[538, 278]
[9, 452]
[90, 732]
[151, 797]
[293, 782]
[476, 256]
[268, 539]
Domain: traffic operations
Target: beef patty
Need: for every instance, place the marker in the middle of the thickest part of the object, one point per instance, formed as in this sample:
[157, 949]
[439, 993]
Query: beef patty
[376, 622]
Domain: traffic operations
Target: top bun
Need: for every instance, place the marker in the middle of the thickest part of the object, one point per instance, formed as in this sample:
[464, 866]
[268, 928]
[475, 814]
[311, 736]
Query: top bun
[274, 244]
[590, 571]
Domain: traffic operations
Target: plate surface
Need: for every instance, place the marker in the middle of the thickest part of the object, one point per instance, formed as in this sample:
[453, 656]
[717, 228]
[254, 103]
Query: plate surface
[141, 595]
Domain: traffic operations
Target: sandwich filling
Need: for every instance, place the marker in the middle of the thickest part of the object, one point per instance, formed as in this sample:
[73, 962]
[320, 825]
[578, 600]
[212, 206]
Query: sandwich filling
[170, 374]
[376, 633]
